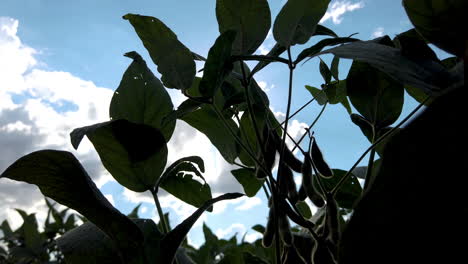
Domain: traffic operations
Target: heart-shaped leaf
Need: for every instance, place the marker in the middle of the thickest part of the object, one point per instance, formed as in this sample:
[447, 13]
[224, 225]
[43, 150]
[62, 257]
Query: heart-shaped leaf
[175, 61]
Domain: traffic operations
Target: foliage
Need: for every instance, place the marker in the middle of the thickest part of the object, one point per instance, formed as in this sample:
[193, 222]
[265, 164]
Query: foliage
[31, 244]
[227, 105]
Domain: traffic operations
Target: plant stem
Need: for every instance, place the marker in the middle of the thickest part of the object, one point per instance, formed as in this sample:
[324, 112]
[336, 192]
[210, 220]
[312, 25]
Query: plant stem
[370, 165]
[312, 124]
[160, 212]
[380, 139]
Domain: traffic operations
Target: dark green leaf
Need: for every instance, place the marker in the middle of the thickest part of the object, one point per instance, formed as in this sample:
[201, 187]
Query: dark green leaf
[413, 179]
[250, 183]
[33, 239]
[440, 23]
[55, 214]
[173, 239]
[208, 122]
[182, 185]
[134, 154]
[423, 73]
[297, 21]
[337, 94]
[184, 108]
[250, 19]
[60, 176]
[315, 49]
[304, 209]
[175, 61]
[349, 192]
[412, 45]
[141, 98]
[334, 67]
[174, 168]
[6, 229]
[322, 30]
[374, 94]
[218, 65]
[259, 228]
[210, 237]
[88, 244]
[319, 95]
[325, 72]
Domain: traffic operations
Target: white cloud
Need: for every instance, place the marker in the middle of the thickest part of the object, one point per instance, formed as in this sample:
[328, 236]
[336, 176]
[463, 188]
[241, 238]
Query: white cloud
[249, 203]
[265, 87]
[378, 32]
[236, 228]
[253, 237]
[110, 198]
[337, 9]
[47, 106]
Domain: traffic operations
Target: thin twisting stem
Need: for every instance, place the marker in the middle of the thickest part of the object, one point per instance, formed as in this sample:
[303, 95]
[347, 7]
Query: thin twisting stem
[312, 124]
[380, 139]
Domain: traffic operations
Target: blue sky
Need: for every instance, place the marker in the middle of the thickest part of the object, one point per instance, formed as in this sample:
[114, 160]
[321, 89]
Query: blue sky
[62, 59]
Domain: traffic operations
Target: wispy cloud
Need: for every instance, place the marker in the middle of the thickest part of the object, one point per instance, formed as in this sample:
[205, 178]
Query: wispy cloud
[337, 9]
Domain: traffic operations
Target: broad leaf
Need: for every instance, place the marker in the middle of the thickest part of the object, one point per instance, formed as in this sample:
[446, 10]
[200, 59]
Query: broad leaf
[181, 184]
[208, 122]
[250, 183]
[218, 64]
[141, 98]
[250, 19]
[173, 239]
[60, 176]
[440, 22]
[297, 21]
[413, 45]
[175, 61]
[417, 174]
[421, 73]
[135, 154]
[184, 108]
[374, 94]
[322, 30]
[88, 244]
[173, 168]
